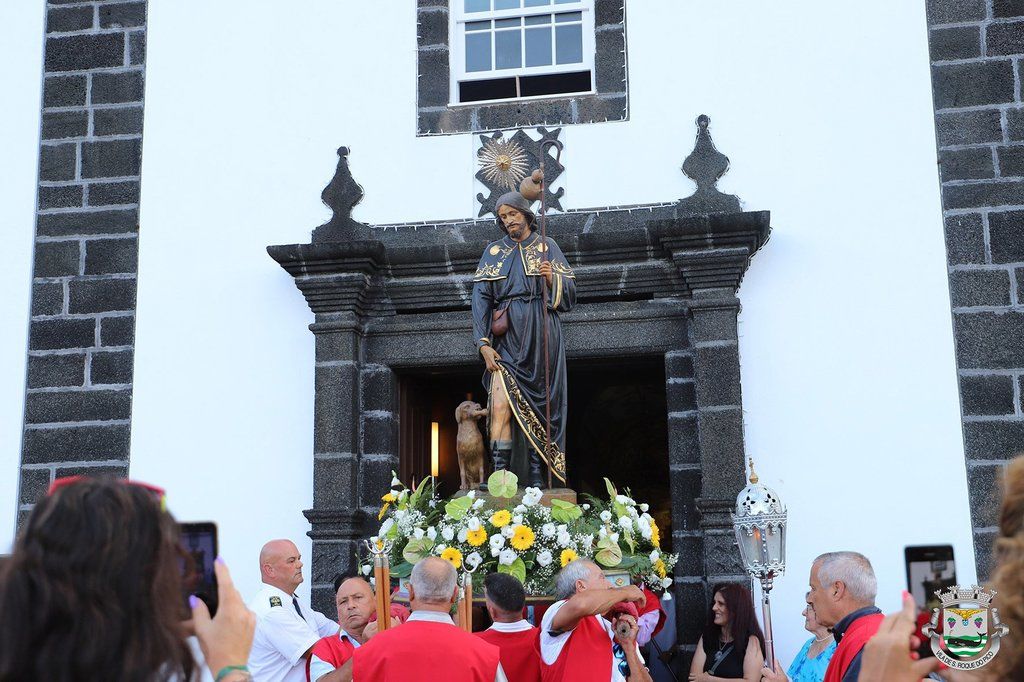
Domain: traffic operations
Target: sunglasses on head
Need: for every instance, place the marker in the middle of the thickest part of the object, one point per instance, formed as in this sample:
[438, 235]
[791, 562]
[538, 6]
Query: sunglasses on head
[157, 492]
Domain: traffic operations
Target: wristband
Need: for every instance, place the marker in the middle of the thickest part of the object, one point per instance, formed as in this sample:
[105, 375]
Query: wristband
[228, 669]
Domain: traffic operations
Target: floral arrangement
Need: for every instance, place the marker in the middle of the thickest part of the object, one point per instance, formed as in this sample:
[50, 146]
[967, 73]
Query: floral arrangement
[518, 535]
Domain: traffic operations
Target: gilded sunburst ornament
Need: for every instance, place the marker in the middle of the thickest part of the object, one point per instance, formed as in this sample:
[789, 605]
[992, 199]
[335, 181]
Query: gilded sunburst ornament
[503, 162]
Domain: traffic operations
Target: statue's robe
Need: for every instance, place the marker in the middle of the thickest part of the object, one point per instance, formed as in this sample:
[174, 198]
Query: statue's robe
[509, 277]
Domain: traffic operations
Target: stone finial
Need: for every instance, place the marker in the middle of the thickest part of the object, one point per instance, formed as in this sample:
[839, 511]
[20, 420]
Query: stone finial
[341, 195]
[705, 166]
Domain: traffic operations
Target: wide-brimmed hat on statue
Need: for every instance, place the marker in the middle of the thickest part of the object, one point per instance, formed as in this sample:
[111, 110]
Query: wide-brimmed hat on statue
[518, 202]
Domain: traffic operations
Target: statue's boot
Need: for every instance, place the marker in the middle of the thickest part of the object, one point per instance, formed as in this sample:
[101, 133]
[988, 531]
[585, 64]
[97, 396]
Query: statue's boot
[536, 470]
[501, 454]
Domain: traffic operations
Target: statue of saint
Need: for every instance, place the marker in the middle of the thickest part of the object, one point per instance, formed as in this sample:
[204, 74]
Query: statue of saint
[508, 323]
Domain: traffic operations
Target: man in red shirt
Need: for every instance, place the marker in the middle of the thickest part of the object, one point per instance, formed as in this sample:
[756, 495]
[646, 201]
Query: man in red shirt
[514, 636]
[355, 602]
[577, 643]
[843, 590]
[428, 647]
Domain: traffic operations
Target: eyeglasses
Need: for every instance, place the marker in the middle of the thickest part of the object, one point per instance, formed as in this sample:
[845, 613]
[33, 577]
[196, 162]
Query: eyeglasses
[158, 493]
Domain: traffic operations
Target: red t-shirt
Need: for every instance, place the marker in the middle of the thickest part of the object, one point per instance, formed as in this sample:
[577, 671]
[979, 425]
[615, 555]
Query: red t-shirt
[427, 652]
[520, 652]
[335, 650]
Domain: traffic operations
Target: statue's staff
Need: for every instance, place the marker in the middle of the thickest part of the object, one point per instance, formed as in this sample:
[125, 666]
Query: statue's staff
[532, 185]
[382, 580]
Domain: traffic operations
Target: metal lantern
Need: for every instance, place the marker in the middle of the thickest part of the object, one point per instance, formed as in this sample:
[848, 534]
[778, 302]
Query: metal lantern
[760, 524]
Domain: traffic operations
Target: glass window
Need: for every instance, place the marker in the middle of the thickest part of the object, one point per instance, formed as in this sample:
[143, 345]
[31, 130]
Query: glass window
[478, 52]
[478, 6]
[508, 49]
[506, 4]
[569, 44]
[538, 46]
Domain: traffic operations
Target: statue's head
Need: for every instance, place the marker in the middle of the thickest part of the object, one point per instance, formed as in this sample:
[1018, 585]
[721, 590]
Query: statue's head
[513, 214]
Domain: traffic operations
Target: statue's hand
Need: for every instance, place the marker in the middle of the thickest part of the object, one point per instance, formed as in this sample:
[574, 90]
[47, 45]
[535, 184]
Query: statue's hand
[545, 269]
[491, 358]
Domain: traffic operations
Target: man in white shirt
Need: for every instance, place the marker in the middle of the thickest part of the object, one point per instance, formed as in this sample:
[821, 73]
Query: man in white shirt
[285, 631]
[576, 642]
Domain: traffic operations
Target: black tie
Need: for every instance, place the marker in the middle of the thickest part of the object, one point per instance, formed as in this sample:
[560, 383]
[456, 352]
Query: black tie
[295, 603]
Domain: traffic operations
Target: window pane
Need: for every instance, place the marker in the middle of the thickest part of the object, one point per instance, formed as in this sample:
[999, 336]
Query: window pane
[478, 25]
[569, 44]
[538, 46]
[507, 23]
[569, 16]
[478, 5]
[536, 3]
[539, 19]
[506, 4]
[562, 2]
[508, 50]
[478, 52]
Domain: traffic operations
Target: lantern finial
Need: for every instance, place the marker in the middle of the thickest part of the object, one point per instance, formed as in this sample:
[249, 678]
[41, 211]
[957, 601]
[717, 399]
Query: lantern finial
[753, 475]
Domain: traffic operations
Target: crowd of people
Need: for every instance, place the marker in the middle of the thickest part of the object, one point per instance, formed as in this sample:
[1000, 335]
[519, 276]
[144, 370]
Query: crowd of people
[93, 591]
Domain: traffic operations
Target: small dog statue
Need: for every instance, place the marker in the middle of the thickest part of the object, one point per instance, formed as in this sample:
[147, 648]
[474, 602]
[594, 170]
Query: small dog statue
[469, 444]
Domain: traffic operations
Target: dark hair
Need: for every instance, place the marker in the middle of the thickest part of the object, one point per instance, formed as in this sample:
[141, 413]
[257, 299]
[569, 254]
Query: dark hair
[742, 622]
[342, 577]
[505, 592]
[93, 589]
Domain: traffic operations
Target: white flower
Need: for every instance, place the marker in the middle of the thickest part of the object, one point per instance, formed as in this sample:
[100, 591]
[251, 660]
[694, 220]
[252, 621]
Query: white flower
[626, 523]
[473, 524]
[462, 534]
[655, 555]
[474, 559]
[602, 532]
[497, 542]
[548, 530]
[532, 496]
[621, 499]
[614, 537]
[367, 569]
[508, 531]
[645, 530]
[373, 582]
[563, 539]
[432, 503]
[666, 583]
[418, 533]
[386, 526]
[439, 548]
[471, 494]
[606, 516]
[400, 515]
[563, 528]
[585, 507]
[588, 542]
[477, 504]
[395, 482]
[507, 556]
[517, 520]
[632, 513]
[432, 533]
[646, 517]
[644, 507]
[519, 509]
[544, 558]
[447, 533]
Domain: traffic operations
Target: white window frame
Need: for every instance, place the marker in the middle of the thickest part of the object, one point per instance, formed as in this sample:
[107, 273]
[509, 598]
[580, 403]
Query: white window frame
[457, 49]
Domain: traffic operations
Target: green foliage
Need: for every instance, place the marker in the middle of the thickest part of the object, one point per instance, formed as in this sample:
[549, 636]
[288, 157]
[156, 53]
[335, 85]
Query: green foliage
[401, 570]
[609, 554]
[457, 507]
[517, 569]
[565, 512]
[417, 549]
[503, 483]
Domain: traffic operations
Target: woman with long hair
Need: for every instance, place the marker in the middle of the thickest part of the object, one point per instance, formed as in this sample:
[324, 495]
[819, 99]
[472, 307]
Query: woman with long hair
[732, 646]
[93, 591]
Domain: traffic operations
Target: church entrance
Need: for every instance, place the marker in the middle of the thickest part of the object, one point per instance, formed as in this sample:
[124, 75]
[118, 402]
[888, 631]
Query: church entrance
[618, 428]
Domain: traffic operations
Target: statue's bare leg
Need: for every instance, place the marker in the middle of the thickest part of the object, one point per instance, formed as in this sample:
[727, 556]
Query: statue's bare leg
[501, 425]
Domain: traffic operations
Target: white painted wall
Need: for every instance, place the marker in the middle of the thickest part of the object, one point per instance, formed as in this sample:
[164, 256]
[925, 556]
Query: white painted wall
[847, 355]
[21, 53]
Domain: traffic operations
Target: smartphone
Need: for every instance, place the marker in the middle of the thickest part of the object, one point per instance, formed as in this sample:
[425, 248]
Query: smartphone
[199, 545]
[930, 568]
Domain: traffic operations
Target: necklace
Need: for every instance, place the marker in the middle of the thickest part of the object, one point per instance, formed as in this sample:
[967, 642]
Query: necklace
[824, 639]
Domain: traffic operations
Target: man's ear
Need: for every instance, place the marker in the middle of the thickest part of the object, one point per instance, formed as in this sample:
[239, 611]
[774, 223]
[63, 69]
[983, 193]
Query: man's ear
[838, 590]
[455, 594]
[412, 593]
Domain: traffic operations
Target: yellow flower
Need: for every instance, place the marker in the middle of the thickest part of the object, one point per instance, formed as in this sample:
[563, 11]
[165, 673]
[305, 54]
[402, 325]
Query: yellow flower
[501, 518]
[567, 556]
[659, 568]
[522, 538]
[655, 535]
[476, 537]
[452, 556]
[383, 511]
[390, 497]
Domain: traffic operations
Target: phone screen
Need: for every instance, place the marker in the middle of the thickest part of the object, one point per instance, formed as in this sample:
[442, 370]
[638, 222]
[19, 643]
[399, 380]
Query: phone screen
[199, 542]
[929, 569]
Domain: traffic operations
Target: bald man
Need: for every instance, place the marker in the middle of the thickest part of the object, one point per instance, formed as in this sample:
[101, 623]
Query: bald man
[285, 631]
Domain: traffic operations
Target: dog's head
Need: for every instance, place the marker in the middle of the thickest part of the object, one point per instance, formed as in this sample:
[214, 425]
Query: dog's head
[469, 410]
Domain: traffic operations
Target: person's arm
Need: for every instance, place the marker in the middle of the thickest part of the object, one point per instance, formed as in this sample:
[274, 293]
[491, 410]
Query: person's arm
[482, 304]
[886, 656]
[292, 638]
[342, 674]
[753, 661]
[225, 639]
[637, 670]
[593, 602]
[699, 657]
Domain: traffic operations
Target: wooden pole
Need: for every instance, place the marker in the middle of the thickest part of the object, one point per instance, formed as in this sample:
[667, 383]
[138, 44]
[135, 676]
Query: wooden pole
[544, 294]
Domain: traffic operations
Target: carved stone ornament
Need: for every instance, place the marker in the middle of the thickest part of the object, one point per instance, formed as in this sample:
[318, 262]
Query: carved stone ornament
[705, 166]
[505, 161]
[341, 195]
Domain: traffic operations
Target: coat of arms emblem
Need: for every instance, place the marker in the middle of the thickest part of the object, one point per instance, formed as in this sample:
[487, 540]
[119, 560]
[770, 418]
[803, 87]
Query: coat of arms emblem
[965, 629]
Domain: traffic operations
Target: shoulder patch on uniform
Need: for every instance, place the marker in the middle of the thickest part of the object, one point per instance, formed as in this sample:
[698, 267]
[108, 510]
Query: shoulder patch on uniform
[275, 601]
